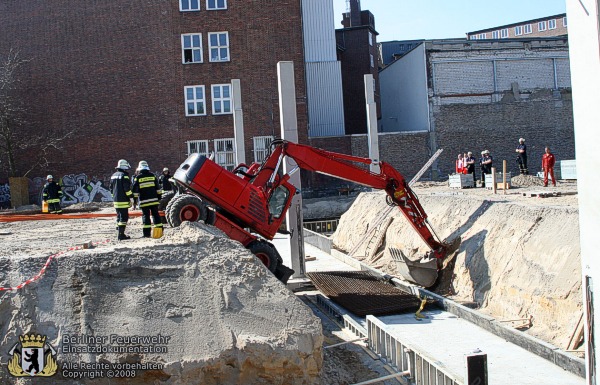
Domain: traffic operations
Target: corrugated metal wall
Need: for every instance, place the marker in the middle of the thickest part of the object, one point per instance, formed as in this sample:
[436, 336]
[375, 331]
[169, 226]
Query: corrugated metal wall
[319, 33]
[325, 99]
[323, 71]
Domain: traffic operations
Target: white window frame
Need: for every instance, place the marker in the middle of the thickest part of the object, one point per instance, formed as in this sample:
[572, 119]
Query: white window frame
[527, 29]
[552, 24]
[197, 147]
[495, 34]
[261, 147]
[372, 61]
[518, 30]
[564, 21]
[482, 36]
[195, 100]
[192, 47]
[225, 153]
[504, 33]
[216, 7]
[370, 38]
[221, 100]
[473, 37]
[190, 4]
[218, 47]
[542, 26]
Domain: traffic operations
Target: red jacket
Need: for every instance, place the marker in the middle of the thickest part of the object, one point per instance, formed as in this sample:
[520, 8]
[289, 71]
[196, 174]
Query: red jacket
[548, 161]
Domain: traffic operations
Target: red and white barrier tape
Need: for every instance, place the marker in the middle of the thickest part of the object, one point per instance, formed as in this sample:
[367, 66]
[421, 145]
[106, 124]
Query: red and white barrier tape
[50, 258]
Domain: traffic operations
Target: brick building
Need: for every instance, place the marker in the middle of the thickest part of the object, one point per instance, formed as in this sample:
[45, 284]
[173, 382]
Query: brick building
[358, 53]
[550, 26]
[152, 80]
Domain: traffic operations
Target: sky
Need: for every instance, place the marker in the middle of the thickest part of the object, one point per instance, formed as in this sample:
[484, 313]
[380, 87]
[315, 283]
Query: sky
[445, 19]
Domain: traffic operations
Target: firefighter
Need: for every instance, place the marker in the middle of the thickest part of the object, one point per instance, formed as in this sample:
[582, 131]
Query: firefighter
[52, 194]
[164, 180]
[120, 187]
[148, 192]
[522, 157]
[548, 162]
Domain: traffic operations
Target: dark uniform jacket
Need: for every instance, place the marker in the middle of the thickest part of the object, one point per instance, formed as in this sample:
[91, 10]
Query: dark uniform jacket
[164, 182]
[52, 192]
[486, 168]
[120, 187]
[146, 189]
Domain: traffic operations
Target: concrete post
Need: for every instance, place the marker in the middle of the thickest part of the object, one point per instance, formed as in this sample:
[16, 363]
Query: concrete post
[372, 123]
[289, 131]
[238, 121]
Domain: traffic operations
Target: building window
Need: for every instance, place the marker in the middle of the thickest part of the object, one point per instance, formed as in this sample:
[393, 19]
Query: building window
[189, 5]
[542, 26]
[504, 33]
[225, 153]
[527, 29]
[401, 47]
[372, 61]
[473, 37]
[218, 46]
[191, 48]
[370, 38]
[197, 147]
[482, 36]
[518, 30]
[409, 46]
[194, 101]
[552, 24]
[221, 99]
[261, 147]
[564, 21]
[495, 34]
[216, 4]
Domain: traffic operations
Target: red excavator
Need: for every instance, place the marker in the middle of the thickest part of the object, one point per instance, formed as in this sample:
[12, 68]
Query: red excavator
[251, 202]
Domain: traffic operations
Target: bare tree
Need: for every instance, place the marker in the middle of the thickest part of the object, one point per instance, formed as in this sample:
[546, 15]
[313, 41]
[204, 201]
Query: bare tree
[16, 135]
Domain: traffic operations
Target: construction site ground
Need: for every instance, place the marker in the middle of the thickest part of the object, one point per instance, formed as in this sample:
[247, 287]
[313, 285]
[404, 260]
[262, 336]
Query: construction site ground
[553, 296]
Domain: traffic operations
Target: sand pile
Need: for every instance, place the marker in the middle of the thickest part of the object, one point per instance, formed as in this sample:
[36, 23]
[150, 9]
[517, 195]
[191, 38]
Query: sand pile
[516, 260]
[223, 318]
[526, 181]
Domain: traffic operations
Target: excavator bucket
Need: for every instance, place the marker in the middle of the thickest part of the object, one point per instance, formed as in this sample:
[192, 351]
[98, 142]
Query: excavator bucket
[423, 272]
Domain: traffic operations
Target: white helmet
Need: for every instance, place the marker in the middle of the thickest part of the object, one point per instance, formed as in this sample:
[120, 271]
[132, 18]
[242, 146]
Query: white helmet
[143, 165]
[49, 177]
[123, 164]
[165, 169]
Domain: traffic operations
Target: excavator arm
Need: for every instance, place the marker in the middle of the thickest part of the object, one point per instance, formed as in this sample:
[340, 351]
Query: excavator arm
[344, 167]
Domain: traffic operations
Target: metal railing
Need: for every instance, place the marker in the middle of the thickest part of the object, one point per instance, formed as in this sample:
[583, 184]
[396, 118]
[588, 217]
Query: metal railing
[322, 227]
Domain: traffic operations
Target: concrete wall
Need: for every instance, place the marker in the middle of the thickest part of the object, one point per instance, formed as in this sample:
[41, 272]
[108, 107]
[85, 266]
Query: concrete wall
[405, 106]
[487, 95]
[585, 67]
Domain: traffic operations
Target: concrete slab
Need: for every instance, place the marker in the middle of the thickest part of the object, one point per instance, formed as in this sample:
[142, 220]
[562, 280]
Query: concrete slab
[447, 338]
[323, 261]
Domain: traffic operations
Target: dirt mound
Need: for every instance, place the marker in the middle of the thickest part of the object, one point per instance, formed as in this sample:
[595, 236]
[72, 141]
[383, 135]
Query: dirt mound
[526, 181]
[516, 260]
[224, 318]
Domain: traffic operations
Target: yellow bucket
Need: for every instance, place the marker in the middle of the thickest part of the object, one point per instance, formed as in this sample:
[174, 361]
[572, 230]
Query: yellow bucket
[157, 232]
[44, 206]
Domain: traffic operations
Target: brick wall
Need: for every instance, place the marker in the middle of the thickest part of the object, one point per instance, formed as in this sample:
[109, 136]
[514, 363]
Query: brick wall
[113, 72]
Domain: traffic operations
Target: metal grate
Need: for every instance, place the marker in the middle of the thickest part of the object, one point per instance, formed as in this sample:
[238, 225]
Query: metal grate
[364, 293]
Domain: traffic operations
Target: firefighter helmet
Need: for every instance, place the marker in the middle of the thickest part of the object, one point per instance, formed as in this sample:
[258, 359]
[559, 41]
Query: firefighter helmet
[123, 164]
[143, 165]
[49, 177]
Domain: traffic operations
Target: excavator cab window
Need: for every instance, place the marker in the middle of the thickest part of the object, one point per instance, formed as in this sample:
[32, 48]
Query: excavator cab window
[278, 201]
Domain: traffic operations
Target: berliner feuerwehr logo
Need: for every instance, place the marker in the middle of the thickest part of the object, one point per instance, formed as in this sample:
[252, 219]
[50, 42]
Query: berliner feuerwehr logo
[32, 359]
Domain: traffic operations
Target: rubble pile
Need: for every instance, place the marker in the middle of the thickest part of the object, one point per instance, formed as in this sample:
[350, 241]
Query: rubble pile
[216, 313]
[518, 257]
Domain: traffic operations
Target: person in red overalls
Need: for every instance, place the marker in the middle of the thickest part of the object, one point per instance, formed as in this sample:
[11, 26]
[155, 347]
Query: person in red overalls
[548, 162]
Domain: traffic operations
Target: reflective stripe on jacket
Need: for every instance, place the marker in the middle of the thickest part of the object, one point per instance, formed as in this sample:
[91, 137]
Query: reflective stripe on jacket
[146, 189]
[52, 192]
[120, 187]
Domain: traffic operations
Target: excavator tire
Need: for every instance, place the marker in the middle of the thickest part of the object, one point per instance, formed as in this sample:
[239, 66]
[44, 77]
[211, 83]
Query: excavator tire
[165, 199]
[185, 207]
[266, 253]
